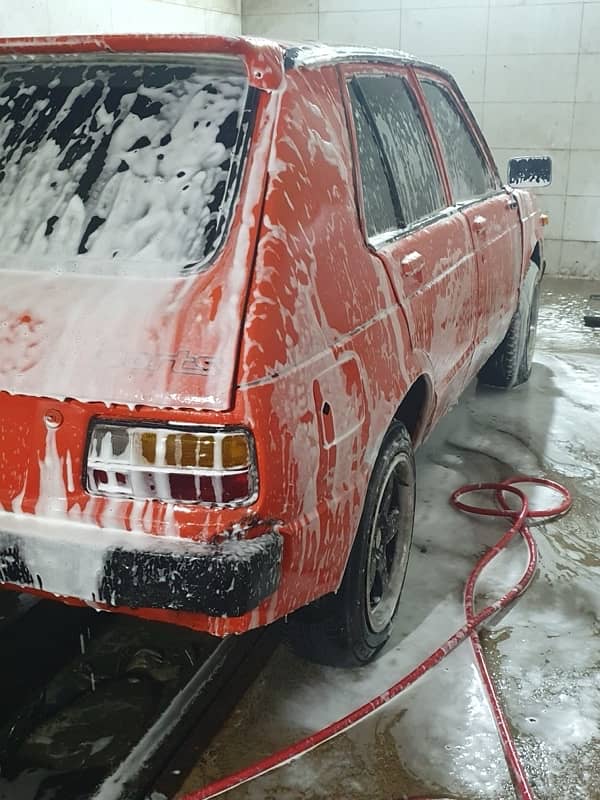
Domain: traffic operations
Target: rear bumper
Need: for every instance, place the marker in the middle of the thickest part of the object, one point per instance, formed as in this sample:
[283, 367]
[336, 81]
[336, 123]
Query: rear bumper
[137, 570]
[229, 581]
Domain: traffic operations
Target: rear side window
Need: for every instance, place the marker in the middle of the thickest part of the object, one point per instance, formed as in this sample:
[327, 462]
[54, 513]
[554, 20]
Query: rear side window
[379, 204]
[405, 142]
[469, 174]
[106, 160]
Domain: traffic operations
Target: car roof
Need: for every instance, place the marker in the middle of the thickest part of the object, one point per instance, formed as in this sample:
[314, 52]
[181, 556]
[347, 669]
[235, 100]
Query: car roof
[266, 59]
[298, 54]
[292, 54]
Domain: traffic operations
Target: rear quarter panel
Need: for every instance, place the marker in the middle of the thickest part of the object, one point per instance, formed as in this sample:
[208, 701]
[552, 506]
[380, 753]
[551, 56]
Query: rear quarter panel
[325, 358]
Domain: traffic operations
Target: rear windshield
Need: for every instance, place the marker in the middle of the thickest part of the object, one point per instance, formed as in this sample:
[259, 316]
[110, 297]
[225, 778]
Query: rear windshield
[106, 161]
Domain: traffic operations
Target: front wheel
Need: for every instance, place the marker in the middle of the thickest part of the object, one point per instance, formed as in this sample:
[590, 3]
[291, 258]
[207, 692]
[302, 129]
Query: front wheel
[350, 627]
[512, 361]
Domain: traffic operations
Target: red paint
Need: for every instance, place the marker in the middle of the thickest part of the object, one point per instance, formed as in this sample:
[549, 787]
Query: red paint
[330, 334]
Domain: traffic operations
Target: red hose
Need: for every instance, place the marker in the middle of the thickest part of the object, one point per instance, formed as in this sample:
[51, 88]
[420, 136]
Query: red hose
[468, 631]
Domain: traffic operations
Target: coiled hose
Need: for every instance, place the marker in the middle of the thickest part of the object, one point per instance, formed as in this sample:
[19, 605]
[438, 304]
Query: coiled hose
[473, 621]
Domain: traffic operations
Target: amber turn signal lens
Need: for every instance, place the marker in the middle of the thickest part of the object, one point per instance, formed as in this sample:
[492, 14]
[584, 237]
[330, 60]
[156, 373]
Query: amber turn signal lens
[148, 443]
[189, 450]
[235, 451]
[544, 219]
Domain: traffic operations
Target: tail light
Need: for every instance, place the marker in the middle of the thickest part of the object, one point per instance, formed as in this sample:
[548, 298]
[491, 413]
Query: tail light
[214, 466]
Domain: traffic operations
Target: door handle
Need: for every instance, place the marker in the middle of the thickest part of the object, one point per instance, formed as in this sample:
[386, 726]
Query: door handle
[512, 202]
[412, 264]
[480, 224]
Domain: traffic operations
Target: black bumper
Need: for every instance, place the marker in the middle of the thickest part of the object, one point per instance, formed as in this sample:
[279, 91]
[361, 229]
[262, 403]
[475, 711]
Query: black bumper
[226, 579]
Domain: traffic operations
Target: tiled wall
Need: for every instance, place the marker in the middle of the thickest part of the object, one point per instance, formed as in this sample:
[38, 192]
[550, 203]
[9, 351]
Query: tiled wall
[529, 68]
[50, 17]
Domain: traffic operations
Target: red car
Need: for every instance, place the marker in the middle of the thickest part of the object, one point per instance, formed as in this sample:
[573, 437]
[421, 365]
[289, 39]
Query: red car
[240, 284]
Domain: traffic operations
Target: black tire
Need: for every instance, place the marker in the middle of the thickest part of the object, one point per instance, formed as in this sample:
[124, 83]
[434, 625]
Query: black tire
[350, 627]
[527, 361]
[512, 361]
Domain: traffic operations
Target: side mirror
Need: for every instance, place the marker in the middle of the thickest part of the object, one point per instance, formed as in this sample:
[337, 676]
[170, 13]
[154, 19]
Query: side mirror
[530, 173]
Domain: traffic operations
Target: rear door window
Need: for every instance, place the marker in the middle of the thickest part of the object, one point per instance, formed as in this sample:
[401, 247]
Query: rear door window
[104, 161]
[378, 199]
[404, 139]
[470, 176]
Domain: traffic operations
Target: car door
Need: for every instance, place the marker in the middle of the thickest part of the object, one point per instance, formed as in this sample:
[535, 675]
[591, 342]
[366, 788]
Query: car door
[427, 253]
[491, 211]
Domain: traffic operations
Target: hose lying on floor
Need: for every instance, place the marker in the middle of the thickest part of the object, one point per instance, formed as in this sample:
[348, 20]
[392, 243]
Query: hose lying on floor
[468, 631]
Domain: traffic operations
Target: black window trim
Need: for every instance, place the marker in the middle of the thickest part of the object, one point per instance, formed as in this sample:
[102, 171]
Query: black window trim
[383, 239]
[491, 167]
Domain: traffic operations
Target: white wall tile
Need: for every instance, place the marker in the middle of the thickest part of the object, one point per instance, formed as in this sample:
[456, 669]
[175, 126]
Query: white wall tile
[582, 219]
[446, 31]
[540, 125]
[478, 112]
[584, 173]
[117, 16]
[530, 78]
[227, 7]
[72, 16]
[534, 29]
[282, 26]
[224, 6]
[494, 3]
[254, 7]
[461, 6]
[501, 158]
[590, 33]
[359, 5]
[552, 255]
[158, 17]
[224, 24]
[554, 207]
[28, 18]
[588, 80]
[586, 126]
[560, 166]
[580, 259]
[469, 72]
[369, 28]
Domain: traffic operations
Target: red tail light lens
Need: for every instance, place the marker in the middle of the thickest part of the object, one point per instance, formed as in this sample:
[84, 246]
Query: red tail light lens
[233, 485]
[214, 466]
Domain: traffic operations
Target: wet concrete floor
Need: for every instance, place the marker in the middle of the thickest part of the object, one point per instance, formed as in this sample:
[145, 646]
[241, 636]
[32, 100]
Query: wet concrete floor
[79, 691]
[438, 738]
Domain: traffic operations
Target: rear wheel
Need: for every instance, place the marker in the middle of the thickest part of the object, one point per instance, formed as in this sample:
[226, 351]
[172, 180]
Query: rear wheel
[350, 627]
[527, 361]
[512, 361]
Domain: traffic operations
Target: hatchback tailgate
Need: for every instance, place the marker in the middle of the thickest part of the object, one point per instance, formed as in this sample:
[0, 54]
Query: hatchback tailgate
[156, 342]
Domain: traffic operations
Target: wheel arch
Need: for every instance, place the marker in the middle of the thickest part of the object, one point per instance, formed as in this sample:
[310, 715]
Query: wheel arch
[537, 256]
[415, 409]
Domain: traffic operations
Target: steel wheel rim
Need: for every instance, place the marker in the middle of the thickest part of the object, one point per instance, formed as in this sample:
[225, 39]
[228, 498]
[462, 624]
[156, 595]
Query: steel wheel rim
[389, 543]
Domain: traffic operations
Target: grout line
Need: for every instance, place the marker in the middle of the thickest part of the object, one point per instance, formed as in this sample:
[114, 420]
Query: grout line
[519, 54]
[513, 5]
[569, 158]
[527, 103]
[400, 25]
[318, 20]
[485, 64]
